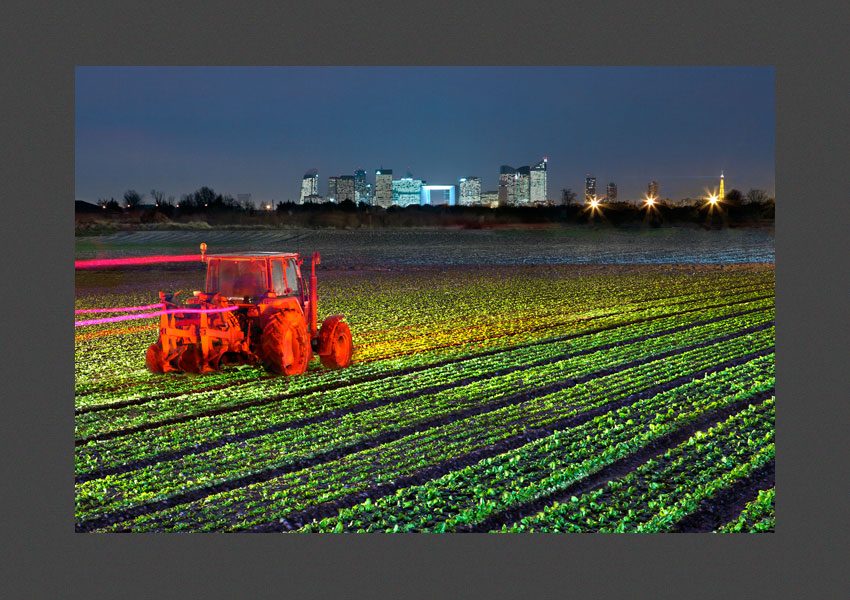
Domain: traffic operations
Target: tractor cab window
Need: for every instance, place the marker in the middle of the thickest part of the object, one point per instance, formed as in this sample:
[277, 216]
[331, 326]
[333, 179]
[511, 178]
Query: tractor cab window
[239, 278]
[284, 277]
[292, 275]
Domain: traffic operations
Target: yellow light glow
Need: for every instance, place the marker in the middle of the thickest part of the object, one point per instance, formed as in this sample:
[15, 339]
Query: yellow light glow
[594, 203]
[649, 201]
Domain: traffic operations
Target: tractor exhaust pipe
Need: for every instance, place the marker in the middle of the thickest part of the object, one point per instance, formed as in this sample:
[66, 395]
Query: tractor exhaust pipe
[314, 295]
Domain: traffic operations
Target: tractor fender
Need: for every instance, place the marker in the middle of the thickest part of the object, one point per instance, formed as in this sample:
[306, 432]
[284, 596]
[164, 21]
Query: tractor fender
[326, 333]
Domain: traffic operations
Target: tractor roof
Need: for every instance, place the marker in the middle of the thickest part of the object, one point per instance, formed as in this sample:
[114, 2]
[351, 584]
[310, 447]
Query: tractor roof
[254, 255]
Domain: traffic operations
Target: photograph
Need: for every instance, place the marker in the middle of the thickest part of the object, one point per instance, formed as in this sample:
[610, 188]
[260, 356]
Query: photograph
[424, 299]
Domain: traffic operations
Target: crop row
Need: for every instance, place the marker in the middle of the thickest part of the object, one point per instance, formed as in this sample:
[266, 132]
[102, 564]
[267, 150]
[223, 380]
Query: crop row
[269, 453]
[465, 497]
[98, 353]
[479, 386]
[101, 423]
[758, 516]
[204, 400]
[461, 332]
[663, 490]
[371, 470]
[127, 366]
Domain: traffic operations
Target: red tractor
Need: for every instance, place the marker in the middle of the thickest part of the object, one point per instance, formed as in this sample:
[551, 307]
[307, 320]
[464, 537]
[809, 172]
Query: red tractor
[255, 308]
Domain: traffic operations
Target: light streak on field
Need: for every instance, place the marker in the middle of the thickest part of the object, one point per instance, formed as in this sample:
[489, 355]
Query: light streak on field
[152, 315]
[82, 337]
[101, 263]
[82, 311]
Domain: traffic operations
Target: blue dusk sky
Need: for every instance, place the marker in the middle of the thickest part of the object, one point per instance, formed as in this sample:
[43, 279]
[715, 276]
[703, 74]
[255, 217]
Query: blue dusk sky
[258, 130]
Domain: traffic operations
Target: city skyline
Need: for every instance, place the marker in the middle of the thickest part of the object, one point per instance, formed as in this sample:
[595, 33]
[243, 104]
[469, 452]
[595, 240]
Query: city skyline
[255, 130]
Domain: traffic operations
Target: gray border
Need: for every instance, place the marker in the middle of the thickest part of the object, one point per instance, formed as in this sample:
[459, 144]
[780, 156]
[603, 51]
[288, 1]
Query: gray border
[805, 43]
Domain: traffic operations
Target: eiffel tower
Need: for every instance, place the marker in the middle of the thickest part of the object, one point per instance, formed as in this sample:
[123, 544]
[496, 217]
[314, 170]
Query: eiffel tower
[722, 193]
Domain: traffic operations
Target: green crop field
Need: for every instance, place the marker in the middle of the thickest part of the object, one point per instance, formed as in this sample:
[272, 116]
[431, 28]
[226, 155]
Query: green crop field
[503, 398]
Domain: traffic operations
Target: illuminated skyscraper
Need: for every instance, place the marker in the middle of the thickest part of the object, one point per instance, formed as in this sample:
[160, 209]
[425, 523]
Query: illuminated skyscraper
[652, 189]
[538, 193]
[333, 182]
[345, 188]
[589, 187]
[611, 192]
[406, 191]
[362, 191]
[383, 187]
[507, 186]
[309, 185]
[522, 186]
[470, 191]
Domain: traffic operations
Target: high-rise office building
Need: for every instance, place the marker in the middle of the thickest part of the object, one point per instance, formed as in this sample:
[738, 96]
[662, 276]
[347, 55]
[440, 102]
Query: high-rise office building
[507, 185]
[345, 188]
[470, 191]
[539, 193]
[589, 187]
[611, 192]
[522, 189]
[362, 190]
[309, 185]
[333, 183]
[406, 191]
[383, 187]
[652, 189]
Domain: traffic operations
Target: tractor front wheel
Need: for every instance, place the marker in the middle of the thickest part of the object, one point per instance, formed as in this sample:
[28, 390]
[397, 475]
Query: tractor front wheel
[341, 348]
[286, 344]
[154, 359]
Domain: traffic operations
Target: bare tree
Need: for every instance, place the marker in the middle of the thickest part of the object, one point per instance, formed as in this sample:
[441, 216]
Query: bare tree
[568, 196]
[157, 196]
[756, 196]
[132, 198]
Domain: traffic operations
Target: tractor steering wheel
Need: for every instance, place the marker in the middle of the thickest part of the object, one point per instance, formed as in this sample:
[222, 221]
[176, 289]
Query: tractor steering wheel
[173, 299]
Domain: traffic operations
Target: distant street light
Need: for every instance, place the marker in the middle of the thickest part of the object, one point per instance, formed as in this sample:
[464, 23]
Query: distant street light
[594, 205]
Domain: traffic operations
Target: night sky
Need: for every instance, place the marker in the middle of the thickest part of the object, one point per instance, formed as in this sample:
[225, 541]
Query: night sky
[257, 130]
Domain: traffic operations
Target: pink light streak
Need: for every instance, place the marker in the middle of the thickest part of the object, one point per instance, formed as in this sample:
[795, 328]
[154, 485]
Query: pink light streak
[82, 311]
[100, 263]
[153, 314]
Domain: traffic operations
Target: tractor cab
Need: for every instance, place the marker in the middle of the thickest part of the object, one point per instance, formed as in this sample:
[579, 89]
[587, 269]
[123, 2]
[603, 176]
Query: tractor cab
[249, 277]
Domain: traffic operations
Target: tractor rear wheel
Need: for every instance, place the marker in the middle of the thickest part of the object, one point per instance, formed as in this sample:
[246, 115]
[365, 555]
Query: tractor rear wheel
[154, 359]
[286, 344]
[341, 348]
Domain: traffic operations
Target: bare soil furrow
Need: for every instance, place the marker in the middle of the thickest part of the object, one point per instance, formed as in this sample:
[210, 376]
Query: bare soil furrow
[617, 469]
[728, 504]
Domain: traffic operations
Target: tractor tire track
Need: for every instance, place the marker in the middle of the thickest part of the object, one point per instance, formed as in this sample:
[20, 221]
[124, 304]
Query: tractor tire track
[617, 469]
[491, 450]
[166, 395]
[728, 503]
[390, 399]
